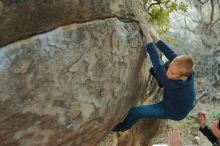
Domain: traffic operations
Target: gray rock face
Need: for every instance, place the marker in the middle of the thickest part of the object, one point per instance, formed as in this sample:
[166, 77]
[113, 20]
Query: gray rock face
[72, 85]
[22, 19]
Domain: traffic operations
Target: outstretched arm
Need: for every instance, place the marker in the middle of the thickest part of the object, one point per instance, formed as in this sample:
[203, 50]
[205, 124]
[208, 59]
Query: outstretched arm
[163, 47]
[166, 50]
[158, 65]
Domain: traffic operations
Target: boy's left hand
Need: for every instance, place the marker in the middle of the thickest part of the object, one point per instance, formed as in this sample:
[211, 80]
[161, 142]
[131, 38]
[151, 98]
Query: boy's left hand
[146, 33]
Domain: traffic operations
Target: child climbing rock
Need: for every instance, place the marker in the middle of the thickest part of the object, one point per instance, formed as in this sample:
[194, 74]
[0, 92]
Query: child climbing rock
[177, 78]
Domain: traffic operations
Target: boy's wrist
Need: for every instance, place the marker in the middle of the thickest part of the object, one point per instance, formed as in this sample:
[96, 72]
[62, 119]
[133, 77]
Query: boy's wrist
[148, 42]
[155, 37]
[156, 40]
[148, 39]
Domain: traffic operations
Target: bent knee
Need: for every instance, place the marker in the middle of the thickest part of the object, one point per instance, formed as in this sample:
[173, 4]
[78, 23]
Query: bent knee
[176, 117]
[179, 118]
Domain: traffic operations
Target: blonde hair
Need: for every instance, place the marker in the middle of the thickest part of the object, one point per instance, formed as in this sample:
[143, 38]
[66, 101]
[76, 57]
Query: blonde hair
[185, 64]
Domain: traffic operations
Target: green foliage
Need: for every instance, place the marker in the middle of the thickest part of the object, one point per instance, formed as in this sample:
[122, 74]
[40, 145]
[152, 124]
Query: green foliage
[216, 116]
[170, 40]
[160, 10]
[213, 116]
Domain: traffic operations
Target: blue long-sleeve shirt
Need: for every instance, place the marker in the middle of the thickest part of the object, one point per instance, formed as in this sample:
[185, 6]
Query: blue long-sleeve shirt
[179, 97]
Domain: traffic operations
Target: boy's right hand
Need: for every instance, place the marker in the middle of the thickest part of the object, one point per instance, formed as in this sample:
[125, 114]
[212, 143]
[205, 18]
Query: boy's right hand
[202, 119]
[154, 35]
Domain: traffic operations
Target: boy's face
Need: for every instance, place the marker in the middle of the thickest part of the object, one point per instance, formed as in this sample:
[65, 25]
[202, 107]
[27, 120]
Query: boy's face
[173, 72]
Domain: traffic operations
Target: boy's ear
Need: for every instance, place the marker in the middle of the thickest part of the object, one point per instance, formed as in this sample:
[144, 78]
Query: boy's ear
[183, 78]
[193, 66]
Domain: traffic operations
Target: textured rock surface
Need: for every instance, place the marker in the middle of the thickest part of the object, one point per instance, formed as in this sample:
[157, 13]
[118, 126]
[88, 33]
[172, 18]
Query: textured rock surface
[70, 86]
[23, 18]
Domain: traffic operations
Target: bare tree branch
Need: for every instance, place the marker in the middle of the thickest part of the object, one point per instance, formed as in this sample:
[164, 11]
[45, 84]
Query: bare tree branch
[166, 5]
[215, 22]
[152, 4]
[203, 2]
[218, 2]
[212, 11]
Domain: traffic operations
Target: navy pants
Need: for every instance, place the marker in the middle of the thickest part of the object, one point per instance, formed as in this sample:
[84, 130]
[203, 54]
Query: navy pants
[143, 111]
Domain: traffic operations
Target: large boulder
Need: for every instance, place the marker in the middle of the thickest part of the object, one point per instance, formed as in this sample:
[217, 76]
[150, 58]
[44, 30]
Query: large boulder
[24, 18]
[72, 85]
